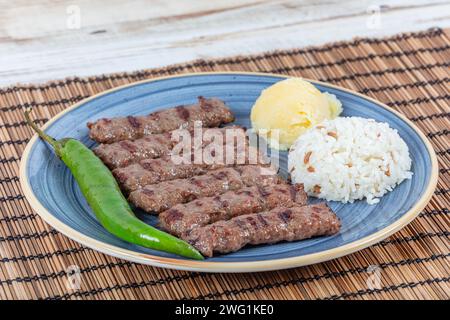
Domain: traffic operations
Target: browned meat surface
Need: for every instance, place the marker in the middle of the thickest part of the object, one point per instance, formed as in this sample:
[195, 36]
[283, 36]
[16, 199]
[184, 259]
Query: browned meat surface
[151, 171]
[124, 153]
[279, 224]
[183, 217]
[164, 195]
[211, 112]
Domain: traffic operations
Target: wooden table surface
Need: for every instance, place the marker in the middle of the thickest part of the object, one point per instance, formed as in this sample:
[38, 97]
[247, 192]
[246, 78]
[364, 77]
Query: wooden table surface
[42, 40]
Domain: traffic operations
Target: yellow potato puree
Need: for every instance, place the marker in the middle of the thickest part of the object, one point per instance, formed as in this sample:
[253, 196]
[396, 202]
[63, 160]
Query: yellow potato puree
[292, 106]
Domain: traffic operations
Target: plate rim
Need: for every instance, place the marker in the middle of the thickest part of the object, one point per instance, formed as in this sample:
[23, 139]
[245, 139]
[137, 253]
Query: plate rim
[228, 267]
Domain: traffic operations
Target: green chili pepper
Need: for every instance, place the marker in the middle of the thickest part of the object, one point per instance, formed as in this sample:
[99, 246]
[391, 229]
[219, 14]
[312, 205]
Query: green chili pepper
[107, 201]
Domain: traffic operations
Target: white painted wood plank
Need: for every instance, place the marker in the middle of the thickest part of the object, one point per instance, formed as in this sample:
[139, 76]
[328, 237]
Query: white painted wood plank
[36, 46]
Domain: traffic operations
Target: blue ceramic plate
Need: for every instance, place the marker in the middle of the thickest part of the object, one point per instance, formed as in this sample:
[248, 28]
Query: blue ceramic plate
[54, 194]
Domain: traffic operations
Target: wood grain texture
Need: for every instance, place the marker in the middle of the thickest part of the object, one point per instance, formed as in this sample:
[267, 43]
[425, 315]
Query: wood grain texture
[38, 41]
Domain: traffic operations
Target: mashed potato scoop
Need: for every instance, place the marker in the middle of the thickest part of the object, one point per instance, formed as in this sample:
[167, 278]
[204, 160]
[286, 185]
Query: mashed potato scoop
[288, 108]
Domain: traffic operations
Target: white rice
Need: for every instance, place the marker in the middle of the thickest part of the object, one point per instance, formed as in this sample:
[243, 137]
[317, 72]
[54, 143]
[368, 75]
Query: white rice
[349, 158]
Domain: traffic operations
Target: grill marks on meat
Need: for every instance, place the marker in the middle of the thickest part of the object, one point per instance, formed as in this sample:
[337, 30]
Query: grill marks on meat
[152, 171]
[211, 112]
[123, 153]
[183, 113]
[134, 122]
[183, 217]
[164, 195]
[279, 224]
[126, 152]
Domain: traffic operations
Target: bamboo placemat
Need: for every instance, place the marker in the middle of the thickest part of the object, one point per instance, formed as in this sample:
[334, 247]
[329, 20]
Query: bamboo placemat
[409, 72]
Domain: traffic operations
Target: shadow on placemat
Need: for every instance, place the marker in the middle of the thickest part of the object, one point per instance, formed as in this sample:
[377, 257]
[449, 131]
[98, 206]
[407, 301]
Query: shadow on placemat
[409, 72]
